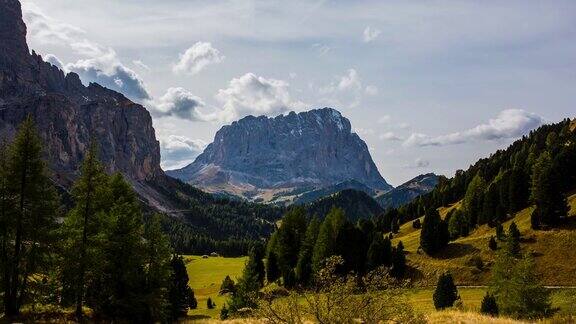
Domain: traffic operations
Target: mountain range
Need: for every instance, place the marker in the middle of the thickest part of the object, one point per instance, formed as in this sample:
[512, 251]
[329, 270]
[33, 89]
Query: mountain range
[277, 159]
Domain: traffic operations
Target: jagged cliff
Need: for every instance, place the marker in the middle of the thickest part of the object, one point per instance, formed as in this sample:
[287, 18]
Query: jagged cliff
[306, 150]
[67, 113]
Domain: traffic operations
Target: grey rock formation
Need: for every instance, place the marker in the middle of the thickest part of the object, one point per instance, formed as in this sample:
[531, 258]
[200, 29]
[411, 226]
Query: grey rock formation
[309, 149]
[67, 113]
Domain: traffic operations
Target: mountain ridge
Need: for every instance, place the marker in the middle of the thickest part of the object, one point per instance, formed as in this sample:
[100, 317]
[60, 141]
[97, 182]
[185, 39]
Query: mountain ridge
[316, 148]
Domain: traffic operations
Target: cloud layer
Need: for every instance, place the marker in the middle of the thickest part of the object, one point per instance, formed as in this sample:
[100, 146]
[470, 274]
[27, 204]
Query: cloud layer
[180, 103]
[179, 151]
[250, 94]
[197, 57]
[510, 123]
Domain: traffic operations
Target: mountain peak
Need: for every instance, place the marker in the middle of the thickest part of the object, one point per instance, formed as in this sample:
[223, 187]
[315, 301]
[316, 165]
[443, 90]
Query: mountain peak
[315, 148]
[12, 32]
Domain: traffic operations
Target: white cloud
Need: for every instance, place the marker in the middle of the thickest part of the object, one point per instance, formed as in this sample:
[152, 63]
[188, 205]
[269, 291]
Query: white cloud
[197, 57]
[390, 136]
[384, 119]
[101, 64]
[364, 131]
[418, 163]
[178, 102]
[510, 123]
[254, 95]
[54, 60]
[371, 90]
[141, 65]
[321, 49]
[179, 151]
[370, 34]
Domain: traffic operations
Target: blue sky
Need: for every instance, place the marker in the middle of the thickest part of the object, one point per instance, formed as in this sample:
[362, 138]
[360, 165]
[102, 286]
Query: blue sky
[431, 86]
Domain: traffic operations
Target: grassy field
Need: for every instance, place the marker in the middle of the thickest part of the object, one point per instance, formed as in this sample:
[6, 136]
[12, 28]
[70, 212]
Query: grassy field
[206, 275]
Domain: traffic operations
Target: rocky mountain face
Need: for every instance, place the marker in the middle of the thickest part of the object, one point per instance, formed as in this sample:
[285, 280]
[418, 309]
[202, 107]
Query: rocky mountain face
[311, 149]
[408, 191]
[69, 114]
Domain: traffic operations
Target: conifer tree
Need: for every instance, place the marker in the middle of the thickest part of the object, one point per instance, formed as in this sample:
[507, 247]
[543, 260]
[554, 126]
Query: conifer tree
[326, 243]
[304, 265]
[492, 244]
[247, 287]
[181, 296]
[227, 286]
[272, 268]
[379, 253]
[513, 239]
[85, 228]
[28, 217]
[547, 193]
[473, 199]
[434, 235]
[489, 305]
[446, 293]
[290, 236]
[398, 261]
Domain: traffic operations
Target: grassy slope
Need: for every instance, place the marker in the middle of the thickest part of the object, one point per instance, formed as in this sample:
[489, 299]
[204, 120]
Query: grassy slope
[206, 275]
[553, 250]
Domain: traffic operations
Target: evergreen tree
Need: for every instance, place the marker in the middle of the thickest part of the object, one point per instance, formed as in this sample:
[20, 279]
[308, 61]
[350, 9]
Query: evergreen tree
[517, 190]
[158, 269]
[458, 225]
[272, 268]
[547, 193]
[304, 265]
[209, 303]
[500, 231]
[446, 293]
[513, 239]
[256, 263]
[326, 243]
[28, 215]
[227, 286]
[473, 199]
[516, 287]
[489, 305]
[290, 236]
[247, 287]
[492, 244]
[181, 296]
[85, 228]
[379, 252]
[434, 235]
[351, 245]
[398, 261]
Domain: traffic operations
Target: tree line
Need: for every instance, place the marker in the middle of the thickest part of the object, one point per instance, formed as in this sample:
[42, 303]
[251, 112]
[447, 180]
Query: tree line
[98, 254]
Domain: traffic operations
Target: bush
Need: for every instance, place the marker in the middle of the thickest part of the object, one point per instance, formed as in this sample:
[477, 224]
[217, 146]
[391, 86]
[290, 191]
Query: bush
[446, 293]
[489, 305]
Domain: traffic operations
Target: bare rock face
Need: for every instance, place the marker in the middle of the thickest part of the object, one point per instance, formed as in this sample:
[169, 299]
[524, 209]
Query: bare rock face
[68, 114]
[310, 149]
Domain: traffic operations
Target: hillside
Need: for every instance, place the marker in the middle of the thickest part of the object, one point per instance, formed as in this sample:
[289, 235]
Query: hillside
[356, 205]
[553, 251]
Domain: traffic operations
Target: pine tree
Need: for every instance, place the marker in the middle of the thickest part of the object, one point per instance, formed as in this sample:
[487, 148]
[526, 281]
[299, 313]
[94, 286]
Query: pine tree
[158, 269]
[379, 253]
[500, 232]
[458, 225]
[272, 268]
[290, 236]
[247, 287]
[492, 244]
[446, 293]
[434, 235]
[516, 287]
[85, 228]
[513, 239]
[398, 261]
[473, 199]
[181, 296]
[256, 263]
[304, 265]
[547, 193]
[489, 305]
[28, 217]
[227, 286]
[209, 303]
[326, 243]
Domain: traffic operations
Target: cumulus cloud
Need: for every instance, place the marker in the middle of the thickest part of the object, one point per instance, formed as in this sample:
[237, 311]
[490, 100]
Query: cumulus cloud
[141, 65]
[346, 90]
[254, 95]
[179, 151]
[510, 123]
[178, 102]
[390, 136]
[370, 34]
[54, 60]
[197, 57]
[101, 64]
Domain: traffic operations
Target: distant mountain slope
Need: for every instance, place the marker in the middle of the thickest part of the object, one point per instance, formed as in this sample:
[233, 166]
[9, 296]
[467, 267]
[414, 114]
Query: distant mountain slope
[408, 191]
[312, 195]
[259, 155]
[356, 204]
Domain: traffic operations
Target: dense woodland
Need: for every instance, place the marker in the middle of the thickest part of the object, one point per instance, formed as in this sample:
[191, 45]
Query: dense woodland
[98, 254]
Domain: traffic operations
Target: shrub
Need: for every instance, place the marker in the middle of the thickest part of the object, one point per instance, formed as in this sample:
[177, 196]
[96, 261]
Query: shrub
[489, 305]
[446, 293]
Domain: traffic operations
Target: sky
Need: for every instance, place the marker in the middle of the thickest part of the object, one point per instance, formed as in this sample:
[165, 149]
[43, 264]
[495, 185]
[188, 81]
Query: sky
[430, 86]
